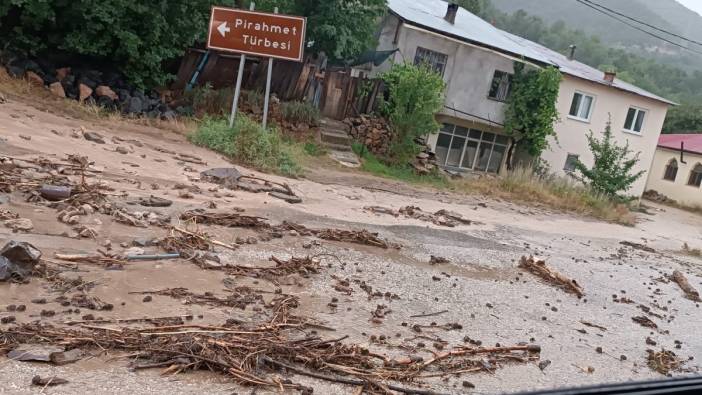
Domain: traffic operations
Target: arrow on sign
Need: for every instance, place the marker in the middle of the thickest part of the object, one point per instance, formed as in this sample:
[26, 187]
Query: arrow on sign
[223, 29]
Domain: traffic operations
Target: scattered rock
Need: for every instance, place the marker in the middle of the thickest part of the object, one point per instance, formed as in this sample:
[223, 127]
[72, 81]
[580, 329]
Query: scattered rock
[25, 137]
[288, 198]
[19, 224]
[34, 352]
[57, 89]
[84, 92]
[437, 260]
[34, 78]
[18, 260]
[147, 299]
[122, 150]
[103, 90]
[94, 137]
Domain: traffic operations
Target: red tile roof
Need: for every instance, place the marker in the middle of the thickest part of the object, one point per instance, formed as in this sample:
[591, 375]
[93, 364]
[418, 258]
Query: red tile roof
[693, 142]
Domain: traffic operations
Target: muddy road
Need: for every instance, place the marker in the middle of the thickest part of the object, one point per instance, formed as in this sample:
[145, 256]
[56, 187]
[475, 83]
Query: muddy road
[393, 301]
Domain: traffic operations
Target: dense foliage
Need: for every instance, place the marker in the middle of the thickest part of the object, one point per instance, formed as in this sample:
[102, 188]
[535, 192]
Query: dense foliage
[416, 93]
[138, 37]
[531, 108]
[611, 173]
[684, 119]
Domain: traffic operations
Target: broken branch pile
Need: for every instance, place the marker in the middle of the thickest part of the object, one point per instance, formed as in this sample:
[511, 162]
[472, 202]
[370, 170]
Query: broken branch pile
[441, 217]
[690, 292]
[664, 361]
[241, 297]
[539, 268]
[250, 354]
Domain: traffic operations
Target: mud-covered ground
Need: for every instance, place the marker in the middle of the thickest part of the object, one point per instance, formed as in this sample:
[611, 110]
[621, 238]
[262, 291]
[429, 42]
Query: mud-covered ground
[480, 288]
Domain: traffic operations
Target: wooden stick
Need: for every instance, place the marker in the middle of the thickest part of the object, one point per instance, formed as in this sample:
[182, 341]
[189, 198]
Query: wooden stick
[690, 292]
[430, 314]
[529, 347]
[215, 242]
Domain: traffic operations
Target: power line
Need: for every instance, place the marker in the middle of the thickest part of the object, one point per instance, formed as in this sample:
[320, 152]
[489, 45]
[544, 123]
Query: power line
[636, 27]
[643, 23]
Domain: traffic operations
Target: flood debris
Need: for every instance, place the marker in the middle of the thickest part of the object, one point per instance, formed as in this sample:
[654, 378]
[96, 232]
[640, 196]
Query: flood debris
[690, 292]
[90, 302]
[277, 344]
[645, 322]
[637, 246]
[664, 361]
[17, 261]
[48, 381]
[228, 219]
[539, 268]
[155, 201]
[435, 260]
[441, 217]
[231, 178]
[240, 297]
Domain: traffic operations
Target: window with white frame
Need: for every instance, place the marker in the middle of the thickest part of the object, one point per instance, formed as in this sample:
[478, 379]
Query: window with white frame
[435, 60]
[470, 149]
[581, 106]
[634, 120]
[501, 86]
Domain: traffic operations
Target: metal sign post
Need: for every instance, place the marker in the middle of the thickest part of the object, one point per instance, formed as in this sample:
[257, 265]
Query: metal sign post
[266, 100]
[239, 76]
[267, 35]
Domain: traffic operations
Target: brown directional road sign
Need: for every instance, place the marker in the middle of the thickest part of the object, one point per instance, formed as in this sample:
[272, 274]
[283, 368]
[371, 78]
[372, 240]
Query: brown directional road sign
[257, 33]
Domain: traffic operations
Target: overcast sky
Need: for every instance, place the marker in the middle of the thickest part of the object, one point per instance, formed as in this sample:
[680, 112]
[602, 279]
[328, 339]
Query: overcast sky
[694, 5]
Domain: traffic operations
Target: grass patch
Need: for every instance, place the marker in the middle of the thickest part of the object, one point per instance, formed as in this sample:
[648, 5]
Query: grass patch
[373, 165]
[523, 185]
[313, 149]
[299, 112]
[248, 143]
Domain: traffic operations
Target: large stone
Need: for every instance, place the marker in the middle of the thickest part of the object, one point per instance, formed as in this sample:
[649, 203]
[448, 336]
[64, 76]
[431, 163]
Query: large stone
[103, 90]
[23, 224]
[84, 92]
[134, 106]
[94, 137]
[62, 73]
[57, 89]
[34, 78]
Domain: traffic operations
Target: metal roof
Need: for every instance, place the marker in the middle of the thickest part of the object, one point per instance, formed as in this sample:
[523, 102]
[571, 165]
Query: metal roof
[429, 14]
[693, 142]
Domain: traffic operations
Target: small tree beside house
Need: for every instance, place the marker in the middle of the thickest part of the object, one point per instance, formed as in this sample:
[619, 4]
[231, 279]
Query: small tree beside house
[611, 173]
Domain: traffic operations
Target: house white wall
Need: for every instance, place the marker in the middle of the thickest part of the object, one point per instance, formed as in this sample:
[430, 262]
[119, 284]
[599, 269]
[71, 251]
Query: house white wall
[468, 73]
[571, 133]
[679, 189]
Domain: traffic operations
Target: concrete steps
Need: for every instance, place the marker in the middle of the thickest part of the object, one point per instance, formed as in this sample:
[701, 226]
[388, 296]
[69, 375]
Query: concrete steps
[334, 136]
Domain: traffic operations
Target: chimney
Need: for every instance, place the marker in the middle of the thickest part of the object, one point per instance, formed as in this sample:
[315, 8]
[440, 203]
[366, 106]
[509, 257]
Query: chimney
[451, 12]
[609, 76]
[572, 51]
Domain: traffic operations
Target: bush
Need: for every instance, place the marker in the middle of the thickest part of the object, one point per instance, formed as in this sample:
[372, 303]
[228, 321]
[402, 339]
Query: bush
[248, 143]
[299, 112]
[416, 94]
[402, 171]
[136, 37]
[611, 174]
[313, 149]
[205, 100]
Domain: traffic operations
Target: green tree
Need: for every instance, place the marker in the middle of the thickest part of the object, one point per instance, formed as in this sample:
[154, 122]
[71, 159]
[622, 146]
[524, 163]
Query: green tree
[475, 6]
[138, 37]
[611, 173]
[684, 119]
[531, 108]
[416, 93]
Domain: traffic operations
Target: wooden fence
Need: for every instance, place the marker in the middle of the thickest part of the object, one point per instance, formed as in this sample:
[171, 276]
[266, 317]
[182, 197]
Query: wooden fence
[334, 91]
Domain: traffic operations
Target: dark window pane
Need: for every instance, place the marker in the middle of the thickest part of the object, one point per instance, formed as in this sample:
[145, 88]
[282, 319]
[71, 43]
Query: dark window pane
[475, 134]
[447, 127]
[461, 131]
[502, 139]
[629, 119]
[455, 152]
[575, 105]
[483, 156]
[696, 176]
[442, 147]
[500, 86]
[488, 137]
[496, 159]
[469, 156]
[639, 121]
[435, 60]
[570, 163]
[585, 107]
[671, 170]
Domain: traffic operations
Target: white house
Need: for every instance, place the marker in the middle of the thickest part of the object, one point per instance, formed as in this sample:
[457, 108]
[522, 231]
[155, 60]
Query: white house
[476, 60]
[676, 171]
